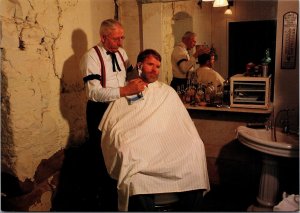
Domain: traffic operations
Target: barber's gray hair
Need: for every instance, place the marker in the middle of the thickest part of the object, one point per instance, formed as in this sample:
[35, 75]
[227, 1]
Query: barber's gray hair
[108, 25]
[188, 34]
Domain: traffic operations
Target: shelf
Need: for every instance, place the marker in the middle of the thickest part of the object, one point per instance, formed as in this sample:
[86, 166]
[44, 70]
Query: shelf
[250, 83]
[231, 109]
[249, 90]
[248, 102]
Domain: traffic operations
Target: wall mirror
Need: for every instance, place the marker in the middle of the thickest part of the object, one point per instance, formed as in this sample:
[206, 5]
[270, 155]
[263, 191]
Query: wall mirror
[248, 41]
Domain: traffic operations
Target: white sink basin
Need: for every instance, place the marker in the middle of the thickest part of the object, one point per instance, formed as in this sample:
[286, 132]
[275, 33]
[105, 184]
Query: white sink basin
[261, 140]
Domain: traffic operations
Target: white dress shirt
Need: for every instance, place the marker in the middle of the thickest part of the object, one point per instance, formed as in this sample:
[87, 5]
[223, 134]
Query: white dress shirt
[206, 75]
[90, 64]
[186, 62]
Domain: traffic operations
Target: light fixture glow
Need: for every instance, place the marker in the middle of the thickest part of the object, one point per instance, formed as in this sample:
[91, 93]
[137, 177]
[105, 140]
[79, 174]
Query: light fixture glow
[228, 11]
[220, 3]
[207, 0]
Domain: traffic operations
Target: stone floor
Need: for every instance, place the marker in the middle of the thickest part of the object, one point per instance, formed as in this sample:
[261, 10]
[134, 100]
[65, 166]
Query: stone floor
[233, 190]
[234, 173]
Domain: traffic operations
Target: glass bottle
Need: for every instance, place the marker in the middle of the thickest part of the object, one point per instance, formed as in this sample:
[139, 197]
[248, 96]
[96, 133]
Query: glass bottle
[226, 93]
[199, 97]
[209, 93]
[179, 92]
[183, 94]
[219, 95]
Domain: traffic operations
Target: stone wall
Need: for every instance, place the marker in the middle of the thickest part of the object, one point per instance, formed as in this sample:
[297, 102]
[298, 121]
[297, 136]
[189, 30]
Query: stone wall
[42, 92]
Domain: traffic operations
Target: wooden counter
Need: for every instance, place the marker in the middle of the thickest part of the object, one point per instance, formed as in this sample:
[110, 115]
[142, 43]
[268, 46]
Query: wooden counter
[231, 109]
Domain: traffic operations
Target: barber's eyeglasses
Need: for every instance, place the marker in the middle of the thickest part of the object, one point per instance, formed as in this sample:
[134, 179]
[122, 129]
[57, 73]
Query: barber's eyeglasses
[117, 38]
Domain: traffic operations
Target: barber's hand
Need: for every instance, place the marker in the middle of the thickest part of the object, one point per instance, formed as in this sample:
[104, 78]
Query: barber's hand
[134, 86]
[201, 50]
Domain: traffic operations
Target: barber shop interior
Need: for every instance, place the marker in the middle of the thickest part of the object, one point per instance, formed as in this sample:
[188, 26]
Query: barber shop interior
[149, 105]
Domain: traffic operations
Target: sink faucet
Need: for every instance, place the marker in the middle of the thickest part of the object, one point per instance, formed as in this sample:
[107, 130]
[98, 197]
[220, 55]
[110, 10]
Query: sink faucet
[285, 123]
[269, 122]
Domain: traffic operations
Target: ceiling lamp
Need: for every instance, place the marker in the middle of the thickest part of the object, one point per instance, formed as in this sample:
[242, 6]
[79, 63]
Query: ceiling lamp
[220, 3]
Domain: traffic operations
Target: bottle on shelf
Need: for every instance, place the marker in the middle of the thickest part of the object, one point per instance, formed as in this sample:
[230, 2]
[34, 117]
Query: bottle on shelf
[226, 93]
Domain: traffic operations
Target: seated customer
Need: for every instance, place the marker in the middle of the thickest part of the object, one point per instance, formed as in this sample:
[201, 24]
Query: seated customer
[152, 146]
[205, 74]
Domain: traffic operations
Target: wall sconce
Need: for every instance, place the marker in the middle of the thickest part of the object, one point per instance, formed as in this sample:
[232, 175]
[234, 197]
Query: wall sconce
[220, 3]
[229, 11]
[217, 3]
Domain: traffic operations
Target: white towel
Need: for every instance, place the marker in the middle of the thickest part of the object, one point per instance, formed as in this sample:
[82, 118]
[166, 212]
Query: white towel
[290, 203]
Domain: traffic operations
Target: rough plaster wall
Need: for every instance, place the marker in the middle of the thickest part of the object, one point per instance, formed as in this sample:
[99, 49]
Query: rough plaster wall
[43, 98]
[130, 18]
[168, 41]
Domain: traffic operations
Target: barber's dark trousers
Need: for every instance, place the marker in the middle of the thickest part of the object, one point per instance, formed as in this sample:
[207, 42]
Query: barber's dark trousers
[94, 114]
[107, 190]
[188, 201]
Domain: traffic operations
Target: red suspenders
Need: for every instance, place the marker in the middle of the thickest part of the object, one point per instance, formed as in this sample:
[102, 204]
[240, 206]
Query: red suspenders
[103, 73]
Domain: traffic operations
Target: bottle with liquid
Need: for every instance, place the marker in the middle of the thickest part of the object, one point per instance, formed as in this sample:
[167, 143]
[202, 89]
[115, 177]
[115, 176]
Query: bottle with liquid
[226, 93]
[265, 63]
[219, 95]
[179, 92]
[210, 93]
[182, 92]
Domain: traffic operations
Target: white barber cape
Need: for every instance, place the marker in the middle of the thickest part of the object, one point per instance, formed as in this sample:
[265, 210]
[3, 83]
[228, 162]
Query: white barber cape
[152, 146]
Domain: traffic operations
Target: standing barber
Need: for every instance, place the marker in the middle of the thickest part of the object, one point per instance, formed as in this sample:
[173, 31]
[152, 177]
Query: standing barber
[104, 68]
[182, 61]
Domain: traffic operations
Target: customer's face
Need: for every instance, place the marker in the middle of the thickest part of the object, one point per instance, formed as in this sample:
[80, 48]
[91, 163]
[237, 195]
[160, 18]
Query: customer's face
[150, 69]
[114, 39]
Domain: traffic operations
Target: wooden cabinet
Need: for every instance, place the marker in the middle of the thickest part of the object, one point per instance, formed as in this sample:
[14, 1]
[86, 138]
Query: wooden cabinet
[250, 92]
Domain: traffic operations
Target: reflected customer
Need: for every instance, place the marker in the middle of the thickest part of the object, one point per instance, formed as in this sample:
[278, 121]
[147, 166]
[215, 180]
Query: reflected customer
[205, 74]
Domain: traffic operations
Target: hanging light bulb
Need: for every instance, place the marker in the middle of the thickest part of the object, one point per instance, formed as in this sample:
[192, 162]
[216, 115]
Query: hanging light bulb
[228, 11]
[220, 3]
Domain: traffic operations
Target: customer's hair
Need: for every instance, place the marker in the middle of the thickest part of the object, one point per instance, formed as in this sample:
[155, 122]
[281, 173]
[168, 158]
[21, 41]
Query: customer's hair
[188, 34]
[203, 58]
[109, 25]
[147, 52]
